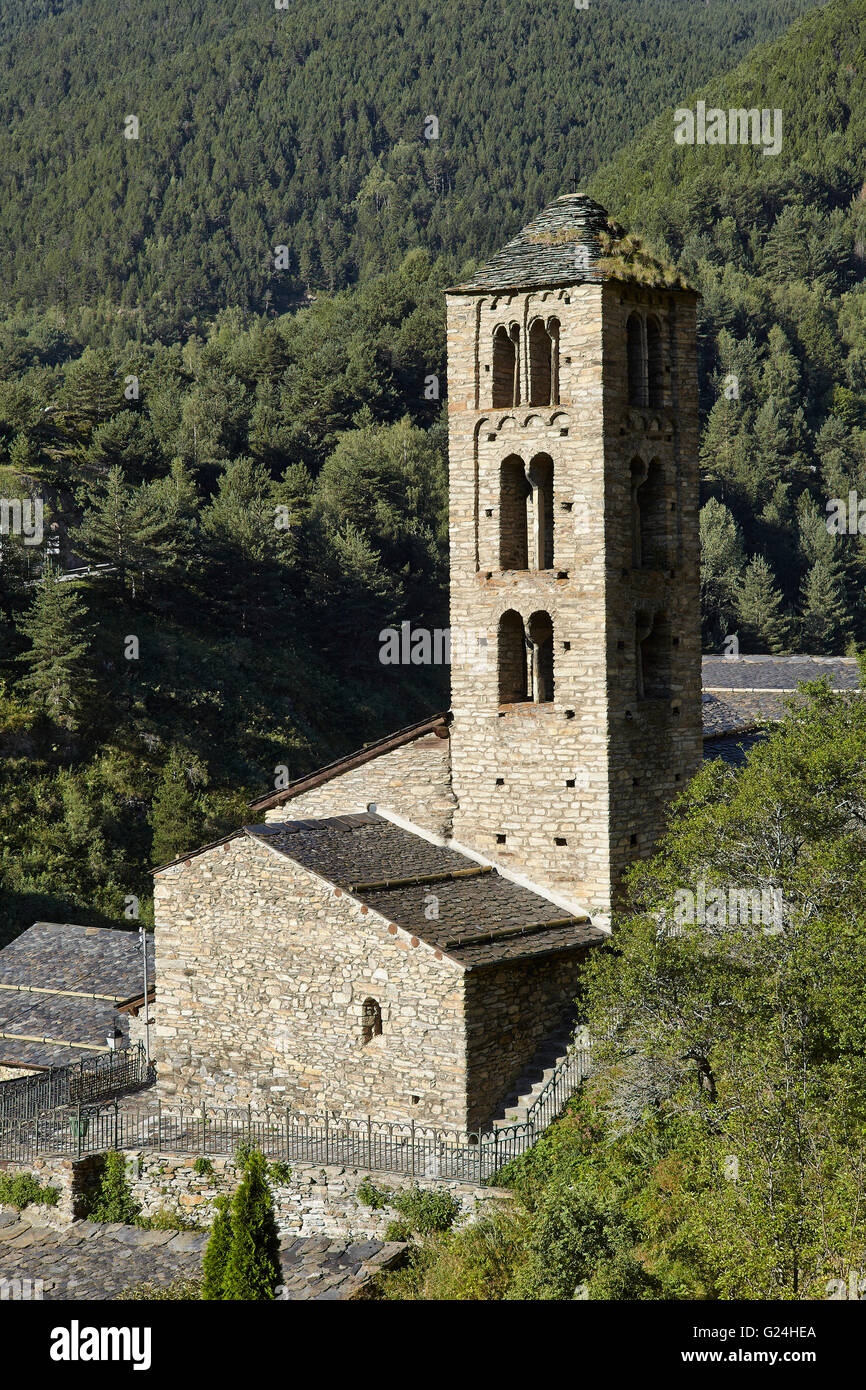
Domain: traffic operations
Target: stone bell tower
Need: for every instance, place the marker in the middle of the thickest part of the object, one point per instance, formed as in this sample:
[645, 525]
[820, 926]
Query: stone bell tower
[575, 603]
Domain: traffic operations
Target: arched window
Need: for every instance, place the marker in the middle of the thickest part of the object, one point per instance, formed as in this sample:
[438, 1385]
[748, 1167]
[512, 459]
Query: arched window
[511, 658]
[637, 469]
[541, 483]
[506, 366]
[513, 493]
[544, 363]
[652, 632]
[371, 1020]
[636, 361]
[652, 506]
[655, 365]
[540, 645]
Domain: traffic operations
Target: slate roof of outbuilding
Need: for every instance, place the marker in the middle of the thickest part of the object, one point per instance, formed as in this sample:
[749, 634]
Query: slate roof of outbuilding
[484, 918]
[63, 956]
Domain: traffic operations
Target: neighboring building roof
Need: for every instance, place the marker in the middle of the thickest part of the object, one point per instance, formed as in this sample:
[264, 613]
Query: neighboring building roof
[768, 673]
[484, 918]
[60, 985]
[437, 725]
[546, 251]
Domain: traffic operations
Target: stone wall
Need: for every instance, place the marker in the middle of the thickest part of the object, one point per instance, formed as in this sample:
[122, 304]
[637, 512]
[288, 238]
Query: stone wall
[414, 781]
[316, 1200]
[570, 791]
[510, 1010]
[263, 970]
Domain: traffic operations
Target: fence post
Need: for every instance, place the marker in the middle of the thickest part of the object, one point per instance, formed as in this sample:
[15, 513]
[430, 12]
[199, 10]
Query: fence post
[159, 1125]
[115, 1126]
[326, 1136]
[204, 1127]
[288, 1137]
[78, 1127]
[412, 1142]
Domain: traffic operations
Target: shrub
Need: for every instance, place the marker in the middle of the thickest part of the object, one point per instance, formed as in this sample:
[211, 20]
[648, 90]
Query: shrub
[252, 1270]
[113, 1200]
[426, 1212]
[397, 1230]
[217, 1251]
[167, 1220]
[185, 1290]
[203, 1167]
[369, 1195]
[22, 1190]
[280, 1173]
[243, 1153]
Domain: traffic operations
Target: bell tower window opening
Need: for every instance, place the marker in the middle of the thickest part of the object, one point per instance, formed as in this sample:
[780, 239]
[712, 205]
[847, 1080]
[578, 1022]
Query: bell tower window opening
[514, 491]
[506, 366]
[653, 640]
[636, 355]
[655, 364]
[539, 643]
[511, 658]
[544, 363]
[371, 1020]
[541, 497]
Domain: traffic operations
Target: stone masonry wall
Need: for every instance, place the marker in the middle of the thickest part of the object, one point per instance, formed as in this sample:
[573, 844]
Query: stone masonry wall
[413, 781]
[316, 1200]
[510, 1010]
[263, 969]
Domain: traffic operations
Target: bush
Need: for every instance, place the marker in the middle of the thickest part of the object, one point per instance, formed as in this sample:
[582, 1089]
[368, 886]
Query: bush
[113, 1200]
[242, 1261]
[203, 1168]
[22, 1190]
[397, 1230]
[180, 1290]
[167, 1220]
[280, 1173]
[426, 1212]
[369, 1195]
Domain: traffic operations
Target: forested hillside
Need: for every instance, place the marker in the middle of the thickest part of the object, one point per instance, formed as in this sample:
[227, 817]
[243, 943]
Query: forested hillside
[777, 245]
[304, 127]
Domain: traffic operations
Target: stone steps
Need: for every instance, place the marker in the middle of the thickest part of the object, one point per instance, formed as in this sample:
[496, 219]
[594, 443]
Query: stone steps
[515, 1108]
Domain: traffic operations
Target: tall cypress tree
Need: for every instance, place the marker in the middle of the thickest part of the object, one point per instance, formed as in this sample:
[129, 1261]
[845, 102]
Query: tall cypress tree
[252, 1270]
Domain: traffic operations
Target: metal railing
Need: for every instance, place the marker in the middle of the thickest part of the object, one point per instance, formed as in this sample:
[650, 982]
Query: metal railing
[90, 1079]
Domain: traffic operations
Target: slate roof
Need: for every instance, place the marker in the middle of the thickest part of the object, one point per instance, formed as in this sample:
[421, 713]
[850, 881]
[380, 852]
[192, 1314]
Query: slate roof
[765, 673]
[83, 961]
[572, 241]
[484, 918]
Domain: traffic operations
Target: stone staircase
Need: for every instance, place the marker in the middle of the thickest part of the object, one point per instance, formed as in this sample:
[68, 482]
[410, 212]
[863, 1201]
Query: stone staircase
[515, 1108]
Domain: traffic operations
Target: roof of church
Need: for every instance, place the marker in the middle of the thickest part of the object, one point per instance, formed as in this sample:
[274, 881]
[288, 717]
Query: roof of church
[572, 241]
[483, 918]
[81, 974]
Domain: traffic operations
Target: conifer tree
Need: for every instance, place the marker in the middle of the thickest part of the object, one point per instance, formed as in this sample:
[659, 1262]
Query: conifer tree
[824, 623]
[217, 1252]
[252, 1270]
[175, 816]
[763, 623]
[59, 674]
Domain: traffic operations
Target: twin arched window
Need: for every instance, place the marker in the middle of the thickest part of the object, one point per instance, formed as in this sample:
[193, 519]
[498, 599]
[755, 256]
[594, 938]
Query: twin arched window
[525, 658]
[526, 513]
[645, 362]
[543, 355]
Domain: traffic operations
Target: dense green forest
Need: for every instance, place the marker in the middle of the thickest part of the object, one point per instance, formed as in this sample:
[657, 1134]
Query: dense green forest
[777, 246]
[304, 127]
[265, 490]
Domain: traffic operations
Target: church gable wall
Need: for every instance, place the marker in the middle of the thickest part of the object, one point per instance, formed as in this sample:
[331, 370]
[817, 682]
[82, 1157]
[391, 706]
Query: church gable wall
[263, 973]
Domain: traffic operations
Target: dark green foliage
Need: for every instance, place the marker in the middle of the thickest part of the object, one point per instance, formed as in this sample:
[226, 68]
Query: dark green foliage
[203, 1167]
[426, 1212]
[305, 128]
[369, 1195]
[217, 1252]
[59, 663]
[113, 1200]
[176, 814]
[22, 1190]
[252, 1266]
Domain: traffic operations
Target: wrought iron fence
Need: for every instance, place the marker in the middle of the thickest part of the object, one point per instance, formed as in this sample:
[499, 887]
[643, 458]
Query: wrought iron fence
[91, 1079]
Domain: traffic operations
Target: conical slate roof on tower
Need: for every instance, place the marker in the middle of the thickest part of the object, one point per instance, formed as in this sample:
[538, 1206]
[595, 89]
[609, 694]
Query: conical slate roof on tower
[571, 241]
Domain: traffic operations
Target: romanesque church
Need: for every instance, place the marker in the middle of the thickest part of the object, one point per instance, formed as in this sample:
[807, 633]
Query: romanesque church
[399, 932]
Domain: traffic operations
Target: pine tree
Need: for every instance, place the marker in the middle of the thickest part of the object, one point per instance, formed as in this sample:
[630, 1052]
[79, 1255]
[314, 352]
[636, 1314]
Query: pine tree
[217, 1252]
[59, 674]
[824, 622]
[763, 623]
[175, 816]
[252, 1270]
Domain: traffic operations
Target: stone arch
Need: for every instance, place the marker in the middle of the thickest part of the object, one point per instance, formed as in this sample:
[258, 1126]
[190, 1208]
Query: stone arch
[513, 493]
[655, 363]
[540, 648]
[636, 355]
[543, 362]
[653, 518]
[511, 658]
[540, 475]
[506, 366]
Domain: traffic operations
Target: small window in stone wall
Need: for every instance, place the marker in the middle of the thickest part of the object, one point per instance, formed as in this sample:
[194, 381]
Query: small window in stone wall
[371, 1020]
